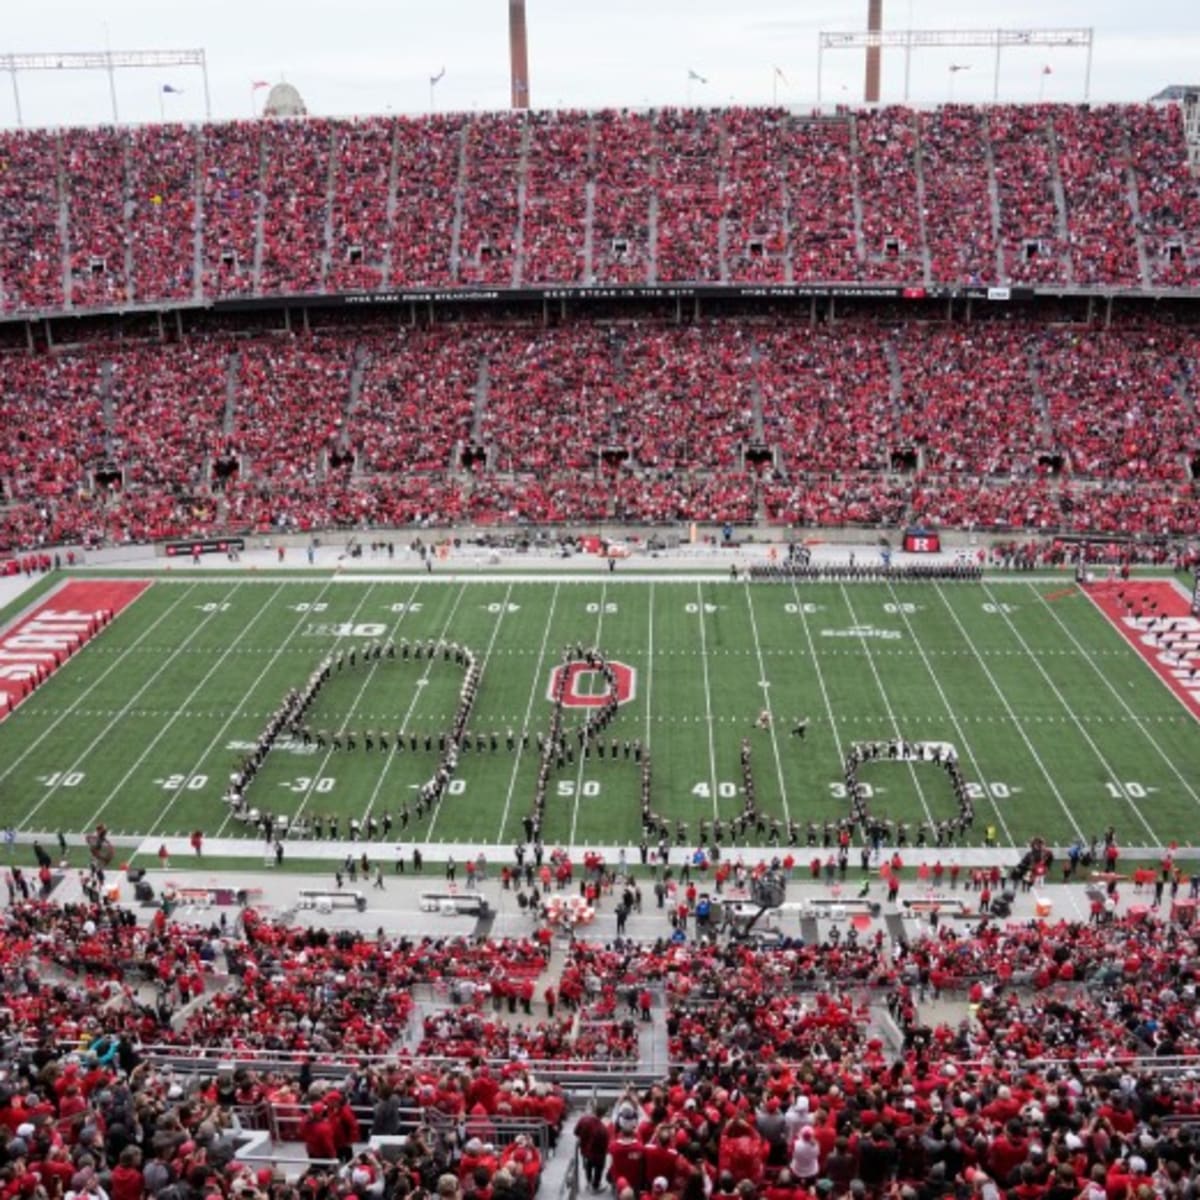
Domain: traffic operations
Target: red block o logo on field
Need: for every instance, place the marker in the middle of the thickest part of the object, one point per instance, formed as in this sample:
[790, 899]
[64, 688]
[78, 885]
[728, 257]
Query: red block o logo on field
[581, 679]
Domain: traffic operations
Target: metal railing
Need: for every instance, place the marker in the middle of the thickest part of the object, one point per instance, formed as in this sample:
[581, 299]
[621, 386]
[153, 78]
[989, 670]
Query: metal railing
[191, 1058]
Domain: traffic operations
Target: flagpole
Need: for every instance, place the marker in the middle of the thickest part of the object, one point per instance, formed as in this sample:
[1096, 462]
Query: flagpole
[775, 88]
[162, 112]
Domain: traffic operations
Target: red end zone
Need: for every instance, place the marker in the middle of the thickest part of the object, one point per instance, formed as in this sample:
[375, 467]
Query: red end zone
[1155, 619]
[42, 640]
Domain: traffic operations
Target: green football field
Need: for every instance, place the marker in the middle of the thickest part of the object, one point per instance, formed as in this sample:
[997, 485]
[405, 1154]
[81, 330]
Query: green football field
[1058, 726]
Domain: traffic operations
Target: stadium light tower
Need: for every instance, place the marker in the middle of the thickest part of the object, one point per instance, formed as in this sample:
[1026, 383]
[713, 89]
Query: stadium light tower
[518, 52]
[874, 25]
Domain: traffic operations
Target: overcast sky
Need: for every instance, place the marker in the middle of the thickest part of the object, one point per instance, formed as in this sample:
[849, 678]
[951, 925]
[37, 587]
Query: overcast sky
[364, 56]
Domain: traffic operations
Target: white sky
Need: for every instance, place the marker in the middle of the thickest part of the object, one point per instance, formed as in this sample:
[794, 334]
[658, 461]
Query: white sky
[362, 56]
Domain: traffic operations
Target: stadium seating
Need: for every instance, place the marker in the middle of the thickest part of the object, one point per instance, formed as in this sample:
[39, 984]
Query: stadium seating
[92, 171]
[31, 270]
[958, 208]
[296, 175]
[992, 425]
[359, 218]
[163, 218]
[622, 250]
[887, 189]
[231, 167]
[554, 242]
[1168, 198]
[1042, 194]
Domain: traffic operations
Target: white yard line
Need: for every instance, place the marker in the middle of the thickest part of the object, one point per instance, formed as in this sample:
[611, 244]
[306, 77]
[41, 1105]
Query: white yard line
[233, 713]
[533, 693]
[887, 704]
[1083, 650]
[1012, 716]
[708, 717]
[130, 703]
[1087, 737]
[316, 775]
[649, 669]
[582, 759]
[162, 730]
[766, 691]
[487, 654]
[963, 740]
[91, 687]
[815, 659]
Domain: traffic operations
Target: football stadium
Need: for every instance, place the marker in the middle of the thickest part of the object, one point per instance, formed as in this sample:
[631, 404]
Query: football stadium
[598, 647]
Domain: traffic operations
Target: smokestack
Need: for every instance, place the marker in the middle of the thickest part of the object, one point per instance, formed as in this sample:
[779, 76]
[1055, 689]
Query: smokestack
[518, 49]
[874, 25]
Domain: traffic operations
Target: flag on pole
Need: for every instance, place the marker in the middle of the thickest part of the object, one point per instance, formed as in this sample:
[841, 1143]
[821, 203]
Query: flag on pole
[696, 76]
[1047, 70]
[435, 79]
[168, 90]
[258, 83]
[780, 75]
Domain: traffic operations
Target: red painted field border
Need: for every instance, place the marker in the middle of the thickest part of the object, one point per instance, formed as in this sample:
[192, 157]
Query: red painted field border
[33, 648]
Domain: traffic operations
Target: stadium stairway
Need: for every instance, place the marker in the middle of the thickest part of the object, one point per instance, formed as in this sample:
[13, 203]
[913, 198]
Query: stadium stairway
[1135, 207]
[392, 188]
[518, 267]
[1062, 227]
[459, 195]
[993, 187]
[922, 226]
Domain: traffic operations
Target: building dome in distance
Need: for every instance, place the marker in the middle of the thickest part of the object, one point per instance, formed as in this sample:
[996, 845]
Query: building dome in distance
[284, 100]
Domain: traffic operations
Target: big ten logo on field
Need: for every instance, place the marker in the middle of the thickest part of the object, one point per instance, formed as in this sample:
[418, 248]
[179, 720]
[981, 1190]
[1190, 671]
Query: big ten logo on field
[586, 686]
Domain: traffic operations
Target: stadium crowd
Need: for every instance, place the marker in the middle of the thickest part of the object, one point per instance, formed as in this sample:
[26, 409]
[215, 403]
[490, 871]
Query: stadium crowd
[784, 1085]
[986, 426]
[1093, 195]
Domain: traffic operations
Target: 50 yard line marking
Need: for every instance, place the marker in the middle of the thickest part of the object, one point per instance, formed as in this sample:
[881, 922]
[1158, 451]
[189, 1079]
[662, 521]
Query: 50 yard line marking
[708, 719]
[649, 667]
[762, 674]
[1012, 716]
[233, 712]
[1191, 791]
[117, 662]
[958, 729]
[887, 704]
[582, 758]
[1087, 737]
[533, 691]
